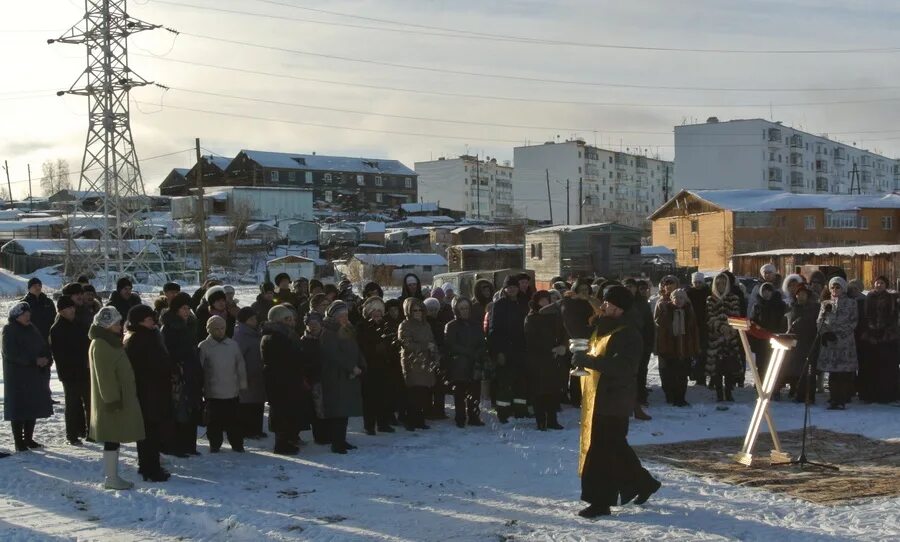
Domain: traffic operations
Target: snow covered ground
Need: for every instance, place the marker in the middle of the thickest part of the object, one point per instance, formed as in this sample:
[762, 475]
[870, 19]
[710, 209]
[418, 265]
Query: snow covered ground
[496, 482]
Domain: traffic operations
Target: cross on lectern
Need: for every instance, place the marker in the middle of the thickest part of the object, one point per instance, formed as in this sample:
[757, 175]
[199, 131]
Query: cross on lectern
[764, 390]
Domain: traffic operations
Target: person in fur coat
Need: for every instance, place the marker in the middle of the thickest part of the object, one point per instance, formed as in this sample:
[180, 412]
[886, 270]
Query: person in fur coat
[723, 356]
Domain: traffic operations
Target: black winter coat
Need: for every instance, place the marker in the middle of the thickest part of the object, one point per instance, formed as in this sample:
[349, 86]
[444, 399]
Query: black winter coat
[506, 332]
[153, 373]
[544, 331]
[289, 364]
[466, 350]
[803, 327]
[375, 343]
[576, 316]
[480, 302]
[69, 343]
[618, 368]
[180, 340]
[262, 307]
[26, 388]
[698, 297]
[122, 304]
[203, 316]
[43, 313]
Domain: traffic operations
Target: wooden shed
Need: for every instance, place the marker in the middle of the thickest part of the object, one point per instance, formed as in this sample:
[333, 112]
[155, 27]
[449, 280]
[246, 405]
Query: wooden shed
[606, 249]
[295, 266]
[475, 257]
[864, 262]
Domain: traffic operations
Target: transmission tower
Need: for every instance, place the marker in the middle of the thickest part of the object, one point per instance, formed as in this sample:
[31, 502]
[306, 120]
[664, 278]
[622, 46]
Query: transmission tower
[109, 169]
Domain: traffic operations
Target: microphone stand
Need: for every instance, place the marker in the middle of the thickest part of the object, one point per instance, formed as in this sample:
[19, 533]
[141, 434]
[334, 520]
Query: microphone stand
[809, 375]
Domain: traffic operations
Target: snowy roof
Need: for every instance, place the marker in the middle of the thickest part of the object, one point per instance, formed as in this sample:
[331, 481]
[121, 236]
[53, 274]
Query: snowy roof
[81, 194]
[419, 207]
[33, 246]
[316, 162]
[181, 171]
[7, 214]
[478, 227]
[428, 219]
[567, 228]
[261, 226]
[486, 248]
[219, 161]
[400, 259]
[373, 227]
[18, 225]
[861, 250]
[290, 258]
[657, 251]
[769, 200]
[410, 232]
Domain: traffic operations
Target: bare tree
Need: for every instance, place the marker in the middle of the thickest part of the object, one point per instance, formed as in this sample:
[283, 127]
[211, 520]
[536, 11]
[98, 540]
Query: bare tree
[55, 176]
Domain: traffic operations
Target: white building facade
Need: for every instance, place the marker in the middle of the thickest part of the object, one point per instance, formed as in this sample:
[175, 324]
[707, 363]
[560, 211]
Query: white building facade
[603, 185]
[481, 188]
[756, 153]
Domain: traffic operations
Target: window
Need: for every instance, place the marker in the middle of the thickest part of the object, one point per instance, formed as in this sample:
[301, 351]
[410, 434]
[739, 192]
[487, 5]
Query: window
[327, 177]
[407, 182]
[887, 222]
[328, 196]
[361, 180]
[809, 222]
[426, 268]
[379, 197]
[863, 222]
[292, 176]
[308, 177]
[695, 226]
[379, 181]
[537, 251]
[763, 219]
[695, 253]
[673, 227]
[275, 177]
[843, 220]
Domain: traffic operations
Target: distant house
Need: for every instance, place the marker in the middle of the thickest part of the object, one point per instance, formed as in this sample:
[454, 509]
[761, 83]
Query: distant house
[605, 249]
[294, 266]
[336, 181]
[255, 203]
[389, 269]
[484, 257]
[478, 235]
[175, 183]
[181, 181]
[864, 262]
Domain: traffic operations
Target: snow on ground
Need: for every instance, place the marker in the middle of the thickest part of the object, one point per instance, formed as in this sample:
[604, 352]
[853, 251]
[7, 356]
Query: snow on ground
[496, 482]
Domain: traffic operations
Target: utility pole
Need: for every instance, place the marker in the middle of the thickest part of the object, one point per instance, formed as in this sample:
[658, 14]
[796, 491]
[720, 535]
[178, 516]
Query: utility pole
[8, 184]
[201, 217]
[666, 186]
[549, 201]
[580, 202]
[567, 203]
[30, 197]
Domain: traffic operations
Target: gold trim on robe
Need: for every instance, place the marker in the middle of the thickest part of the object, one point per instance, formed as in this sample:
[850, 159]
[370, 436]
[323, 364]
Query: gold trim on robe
[589, 384]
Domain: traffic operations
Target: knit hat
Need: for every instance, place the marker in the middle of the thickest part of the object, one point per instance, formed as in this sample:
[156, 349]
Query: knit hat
[72, 288]
[123, 282]
[18, 310]
[281, 277]
[447, 288]
[171, 287]
[215, 294]
[511, 280]
[432, 304]
[278, 313]
[245, 314]
[180, 300]
[139, 313]
[34, 280]
[679, 297]
[767, 268]
[63, 303]
[266, 287]
[216, 322]
[698, 277]
[312, 317]
[229, 289]
[336, 309]
[437, 293]
[107, 316]
[620, 297]
[371, 305]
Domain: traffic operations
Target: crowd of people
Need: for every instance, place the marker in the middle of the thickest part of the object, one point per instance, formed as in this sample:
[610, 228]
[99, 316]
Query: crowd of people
[319, 354]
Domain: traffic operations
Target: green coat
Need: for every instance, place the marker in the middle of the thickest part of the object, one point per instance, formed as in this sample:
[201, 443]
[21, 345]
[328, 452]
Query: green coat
[115, 411]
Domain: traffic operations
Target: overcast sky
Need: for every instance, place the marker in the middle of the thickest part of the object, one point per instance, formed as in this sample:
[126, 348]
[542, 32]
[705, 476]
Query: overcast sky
[37, 125]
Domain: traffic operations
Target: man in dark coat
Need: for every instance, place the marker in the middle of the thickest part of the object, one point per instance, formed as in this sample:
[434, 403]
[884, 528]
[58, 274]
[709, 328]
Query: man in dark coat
[610, 469]
[26, 376]
[342, 363]
[482, 296]
[374, 336]
[180, 339]
[698, 293]
[69, 344]
[43, 313]
[506, 341]
[286, 364]
[576, 311]
[283, 293]
[83, 313]
[878, 346]
[466, 352]
[802, 325]
[546, 343]
[153, 374]
[264, 302]
[252, 399]
[123, 298]
[642, 313]
[768, 313]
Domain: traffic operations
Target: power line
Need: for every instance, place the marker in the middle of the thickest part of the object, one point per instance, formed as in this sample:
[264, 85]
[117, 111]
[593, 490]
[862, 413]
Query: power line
[515, 98]
[540, 41]
[432, 69]
[100, 168]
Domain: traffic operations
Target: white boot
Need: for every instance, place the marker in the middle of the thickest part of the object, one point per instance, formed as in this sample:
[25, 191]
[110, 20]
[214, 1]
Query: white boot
[111, 470]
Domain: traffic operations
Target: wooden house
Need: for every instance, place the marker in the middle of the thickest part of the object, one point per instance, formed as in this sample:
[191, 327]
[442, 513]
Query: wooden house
[864, 262]
[484, 257]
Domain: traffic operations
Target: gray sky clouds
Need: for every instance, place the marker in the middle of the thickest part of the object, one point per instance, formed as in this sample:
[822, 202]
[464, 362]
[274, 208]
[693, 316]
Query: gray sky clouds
[37, 126]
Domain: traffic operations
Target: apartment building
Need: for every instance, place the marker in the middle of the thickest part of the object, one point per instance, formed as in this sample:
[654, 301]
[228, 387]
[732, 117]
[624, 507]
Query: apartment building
[760, 154]
[588, 184]
[482, 188]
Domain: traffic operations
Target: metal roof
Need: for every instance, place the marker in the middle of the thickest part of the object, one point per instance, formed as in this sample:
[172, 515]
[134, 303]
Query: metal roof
[317, 162]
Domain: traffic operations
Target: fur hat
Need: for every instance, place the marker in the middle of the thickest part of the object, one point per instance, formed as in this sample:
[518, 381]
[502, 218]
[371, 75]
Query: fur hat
[372, 304]
[839, 281]
[278, 313]
[619, 296]
[432, 305]
[214, 294]
[216, 322]
[107, 316]
[63, 303]
[336, 309]
[180, 300]
[698, 277]
[767, 268]
[139, 313]
[18, 310]
[245, 314]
